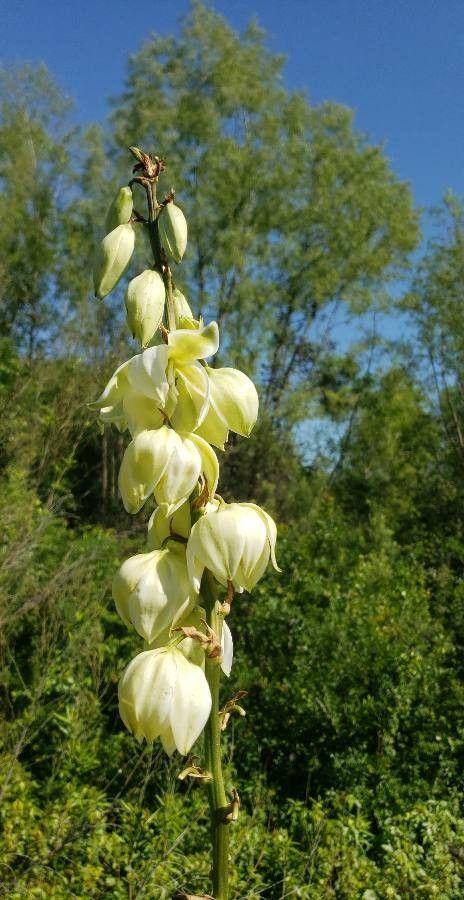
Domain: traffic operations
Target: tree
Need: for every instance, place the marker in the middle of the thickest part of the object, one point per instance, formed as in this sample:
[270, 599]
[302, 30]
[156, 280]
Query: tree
[435, 306]
[34, 152]
[292, 212]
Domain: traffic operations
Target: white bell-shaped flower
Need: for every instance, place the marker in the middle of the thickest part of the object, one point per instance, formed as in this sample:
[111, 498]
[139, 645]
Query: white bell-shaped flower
[233, 406]
[152, 591]
[162, 382]
[235, 543]
[189, 395]
[167, 465]
[162, 694]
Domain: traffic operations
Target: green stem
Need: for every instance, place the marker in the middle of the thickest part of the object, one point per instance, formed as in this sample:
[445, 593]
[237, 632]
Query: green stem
[167, 278]
[153, 233]
[217, 796]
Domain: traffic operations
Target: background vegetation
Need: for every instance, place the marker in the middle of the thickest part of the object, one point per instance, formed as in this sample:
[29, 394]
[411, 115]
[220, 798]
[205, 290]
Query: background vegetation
[350, 763]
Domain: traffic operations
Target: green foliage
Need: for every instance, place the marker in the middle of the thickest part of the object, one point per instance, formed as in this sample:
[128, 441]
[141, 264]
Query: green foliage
[34, 148]
[349, 637]
[348, 762]
[435, 308]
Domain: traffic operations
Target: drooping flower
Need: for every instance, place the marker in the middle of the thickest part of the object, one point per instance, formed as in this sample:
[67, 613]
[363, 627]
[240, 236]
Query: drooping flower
[168, 465]
[235, 543]
[162, 694]
[233, 406]
[136, 393]
[152, 590]
[163, 382]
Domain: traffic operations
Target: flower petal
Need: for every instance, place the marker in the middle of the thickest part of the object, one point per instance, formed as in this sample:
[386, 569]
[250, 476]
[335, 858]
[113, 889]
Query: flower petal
[191, 704]
[143, 465]
[192, 384]
[114, 390]
[180, 474]
[146, 691]
[227, 645]
[234, 399]
[153, 589]
[213, 429]
[147, 373]
[141, 412]
[271, 529]
[187, 344]
[209, 463]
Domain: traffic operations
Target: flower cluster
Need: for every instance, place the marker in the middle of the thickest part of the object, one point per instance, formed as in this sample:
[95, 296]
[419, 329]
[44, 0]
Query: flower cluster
[176, 408]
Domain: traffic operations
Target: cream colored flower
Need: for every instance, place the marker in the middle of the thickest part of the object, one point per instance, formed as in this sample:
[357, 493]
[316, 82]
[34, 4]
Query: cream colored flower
[168, 465]
[162, 694]
[235, 543]
[152, 591]
[163, 382]
[233, 406]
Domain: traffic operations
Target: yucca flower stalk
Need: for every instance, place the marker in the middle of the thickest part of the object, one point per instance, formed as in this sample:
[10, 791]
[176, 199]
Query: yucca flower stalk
[177, 592]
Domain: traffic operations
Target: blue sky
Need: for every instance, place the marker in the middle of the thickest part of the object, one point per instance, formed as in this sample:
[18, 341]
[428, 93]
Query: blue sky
[398, 63]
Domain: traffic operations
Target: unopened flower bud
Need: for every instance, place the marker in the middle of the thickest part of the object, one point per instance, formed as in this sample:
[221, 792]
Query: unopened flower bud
[181, 308]
[120, 210]
[162, 694]
[152, 590]
[112, 258]
[173, 231]
[235, 543]
[144, 301]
